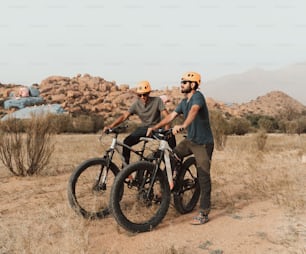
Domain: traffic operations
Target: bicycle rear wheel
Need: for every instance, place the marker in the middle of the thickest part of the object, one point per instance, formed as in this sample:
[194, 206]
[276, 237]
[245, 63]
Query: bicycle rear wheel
[187, 194]
[88, 194]
[135, 206]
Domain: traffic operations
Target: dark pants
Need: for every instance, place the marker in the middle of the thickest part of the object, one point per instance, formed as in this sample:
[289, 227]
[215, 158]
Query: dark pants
[134, 138]
[203, 155]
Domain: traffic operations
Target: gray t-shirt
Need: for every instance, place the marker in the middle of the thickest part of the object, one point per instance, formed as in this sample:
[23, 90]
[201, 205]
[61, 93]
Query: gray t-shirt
[199, 130]
[150, 113]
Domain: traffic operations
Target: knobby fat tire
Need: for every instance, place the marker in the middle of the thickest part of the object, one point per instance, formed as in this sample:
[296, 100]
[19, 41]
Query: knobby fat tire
[86, 165]
[116, 195]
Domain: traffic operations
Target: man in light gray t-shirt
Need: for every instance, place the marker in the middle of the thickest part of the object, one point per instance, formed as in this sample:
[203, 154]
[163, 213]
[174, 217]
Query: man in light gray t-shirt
[149, 109]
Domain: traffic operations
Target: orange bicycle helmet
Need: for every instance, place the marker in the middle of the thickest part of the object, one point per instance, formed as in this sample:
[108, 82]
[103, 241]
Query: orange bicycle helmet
[143, 87]
[192, 76]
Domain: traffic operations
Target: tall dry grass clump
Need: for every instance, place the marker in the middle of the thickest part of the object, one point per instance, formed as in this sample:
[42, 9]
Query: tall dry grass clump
[261, 139]
[219, 128]
[26, 147]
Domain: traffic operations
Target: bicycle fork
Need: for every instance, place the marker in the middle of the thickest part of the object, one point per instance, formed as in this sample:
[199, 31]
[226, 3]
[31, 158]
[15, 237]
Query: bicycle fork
[101, 178]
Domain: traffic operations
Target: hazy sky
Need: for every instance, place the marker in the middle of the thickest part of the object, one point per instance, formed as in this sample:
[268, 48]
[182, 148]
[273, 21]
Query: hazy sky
[128, 41]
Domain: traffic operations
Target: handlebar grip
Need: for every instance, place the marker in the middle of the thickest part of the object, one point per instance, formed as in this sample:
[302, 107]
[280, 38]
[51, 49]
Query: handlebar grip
[108, 131]
[117, 129]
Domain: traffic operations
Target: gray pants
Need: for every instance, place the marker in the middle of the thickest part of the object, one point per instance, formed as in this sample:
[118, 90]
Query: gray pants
[203, 155]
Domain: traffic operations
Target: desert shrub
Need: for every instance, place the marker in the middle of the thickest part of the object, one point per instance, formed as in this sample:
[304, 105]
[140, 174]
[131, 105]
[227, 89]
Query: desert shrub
[282, 125]
[65, 123]
[253, 119]
[289, 113]
[219, 128]
[61, 123]
[301, 125]
[291, 127]
[83, 124]
[98, 122]
[268, 123]
[261, 139]
[239, 126]
[29, 152]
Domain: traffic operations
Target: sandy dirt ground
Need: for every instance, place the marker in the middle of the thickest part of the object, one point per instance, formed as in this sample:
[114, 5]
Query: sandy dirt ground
[35, 216]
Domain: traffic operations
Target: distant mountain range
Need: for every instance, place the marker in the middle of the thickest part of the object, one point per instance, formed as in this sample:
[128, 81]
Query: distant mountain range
[246, 86]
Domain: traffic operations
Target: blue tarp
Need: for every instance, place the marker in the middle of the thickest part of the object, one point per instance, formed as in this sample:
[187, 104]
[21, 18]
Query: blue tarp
[22, 102]
[26, 113]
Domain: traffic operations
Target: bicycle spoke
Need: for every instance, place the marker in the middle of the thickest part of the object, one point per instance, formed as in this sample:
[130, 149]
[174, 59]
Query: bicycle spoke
[142, 203]
[138, 203]
[91, 191]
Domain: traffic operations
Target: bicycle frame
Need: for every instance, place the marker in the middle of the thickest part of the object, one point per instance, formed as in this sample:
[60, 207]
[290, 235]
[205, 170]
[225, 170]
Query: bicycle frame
[114, 147]
[109, 153]
[165, 153]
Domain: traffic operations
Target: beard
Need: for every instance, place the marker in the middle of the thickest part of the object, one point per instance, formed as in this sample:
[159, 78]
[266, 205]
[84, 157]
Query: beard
[186, 90]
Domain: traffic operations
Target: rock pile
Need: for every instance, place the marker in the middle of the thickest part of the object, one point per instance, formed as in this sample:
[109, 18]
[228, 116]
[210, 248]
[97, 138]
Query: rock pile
[86, 94]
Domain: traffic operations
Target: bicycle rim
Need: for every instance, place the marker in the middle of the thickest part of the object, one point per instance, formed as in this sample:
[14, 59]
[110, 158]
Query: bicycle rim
[133, 205]
[88, 194]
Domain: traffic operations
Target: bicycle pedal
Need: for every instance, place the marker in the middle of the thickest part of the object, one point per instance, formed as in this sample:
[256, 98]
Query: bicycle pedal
[157, 199]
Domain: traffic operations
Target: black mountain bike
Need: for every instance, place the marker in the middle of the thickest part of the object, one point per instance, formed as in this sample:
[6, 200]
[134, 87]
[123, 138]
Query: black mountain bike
[142, 203]
[90, 184]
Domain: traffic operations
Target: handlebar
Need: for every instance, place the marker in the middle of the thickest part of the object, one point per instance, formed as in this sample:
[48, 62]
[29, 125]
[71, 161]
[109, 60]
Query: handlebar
[117, 130]
[162, 134]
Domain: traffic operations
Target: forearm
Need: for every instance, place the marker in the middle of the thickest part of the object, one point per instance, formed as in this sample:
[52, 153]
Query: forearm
[118, 121]
[164, 121]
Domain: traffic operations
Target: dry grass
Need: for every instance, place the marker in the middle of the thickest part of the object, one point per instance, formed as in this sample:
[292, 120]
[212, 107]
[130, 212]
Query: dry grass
[35, 216]
[243, 173]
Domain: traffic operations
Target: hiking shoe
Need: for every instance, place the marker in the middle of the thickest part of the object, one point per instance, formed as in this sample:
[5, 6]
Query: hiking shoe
[199, 220]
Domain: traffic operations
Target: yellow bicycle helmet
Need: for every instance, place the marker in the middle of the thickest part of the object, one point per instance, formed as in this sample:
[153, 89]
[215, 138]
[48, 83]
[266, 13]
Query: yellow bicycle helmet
[192, 76]
[143, 87]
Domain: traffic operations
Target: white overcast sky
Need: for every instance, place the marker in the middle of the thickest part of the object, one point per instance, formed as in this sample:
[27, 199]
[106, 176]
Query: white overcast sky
[128, 41]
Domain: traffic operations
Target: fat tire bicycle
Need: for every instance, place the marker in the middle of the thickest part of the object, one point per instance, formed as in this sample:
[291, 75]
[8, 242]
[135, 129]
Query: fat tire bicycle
[142, 203]
[90, 183]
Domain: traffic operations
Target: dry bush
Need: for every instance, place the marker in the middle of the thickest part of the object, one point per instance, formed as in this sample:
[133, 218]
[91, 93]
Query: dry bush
[261, 139]
[26, 153]
[219, 128]
[239, 125]
[66, 123]
[266, 124]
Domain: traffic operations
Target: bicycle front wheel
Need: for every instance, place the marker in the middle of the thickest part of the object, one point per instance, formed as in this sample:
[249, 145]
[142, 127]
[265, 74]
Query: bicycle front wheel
[139, 199]
[187, 194]
[89, 188]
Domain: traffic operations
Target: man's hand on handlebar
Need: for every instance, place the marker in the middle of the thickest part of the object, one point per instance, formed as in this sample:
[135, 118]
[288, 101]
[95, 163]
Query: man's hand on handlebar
[177, 129]
[105, 129]
[149, 132]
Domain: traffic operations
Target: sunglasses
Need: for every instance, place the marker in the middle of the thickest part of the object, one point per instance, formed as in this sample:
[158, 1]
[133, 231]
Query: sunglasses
[143, 95]
[185, 82]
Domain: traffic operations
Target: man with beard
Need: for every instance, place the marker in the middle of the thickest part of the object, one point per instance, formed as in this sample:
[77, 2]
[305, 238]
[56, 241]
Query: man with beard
[199, 140]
